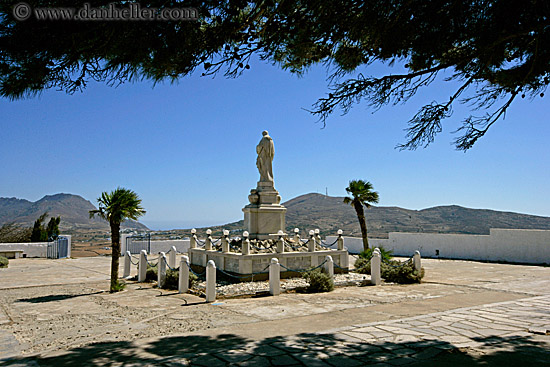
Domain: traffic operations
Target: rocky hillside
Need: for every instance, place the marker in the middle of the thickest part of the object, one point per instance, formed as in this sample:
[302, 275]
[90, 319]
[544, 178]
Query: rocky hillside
[330, 214]
[73, 210]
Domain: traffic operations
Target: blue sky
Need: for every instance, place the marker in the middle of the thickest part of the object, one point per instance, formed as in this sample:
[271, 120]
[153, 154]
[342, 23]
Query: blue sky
[188, 149]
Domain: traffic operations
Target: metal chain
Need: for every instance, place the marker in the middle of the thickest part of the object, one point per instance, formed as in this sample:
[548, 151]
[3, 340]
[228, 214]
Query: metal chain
[169, 267]
[324, 244]
[192, 271]
[304, 270]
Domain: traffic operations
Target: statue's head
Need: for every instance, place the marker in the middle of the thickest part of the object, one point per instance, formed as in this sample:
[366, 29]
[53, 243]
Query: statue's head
[264, 133]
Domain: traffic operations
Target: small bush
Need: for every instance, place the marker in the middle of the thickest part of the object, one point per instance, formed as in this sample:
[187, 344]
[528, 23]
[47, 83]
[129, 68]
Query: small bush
[172, 279]
[403, 274]
[192, 280]
[318, 281]
[152, 273]
[386, 255]
[119, 286]
[4, 262]
[362, 266]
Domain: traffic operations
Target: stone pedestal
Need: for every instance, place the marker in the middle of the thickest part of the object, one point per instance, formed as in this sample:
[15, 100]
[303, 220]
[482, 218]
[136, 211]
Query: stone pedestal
[264, 216]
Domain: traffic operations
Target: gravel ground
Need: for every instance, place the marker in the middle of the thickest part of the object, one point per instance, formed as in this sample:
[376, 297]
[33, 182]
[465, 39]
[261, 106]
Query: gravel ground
[225, 289]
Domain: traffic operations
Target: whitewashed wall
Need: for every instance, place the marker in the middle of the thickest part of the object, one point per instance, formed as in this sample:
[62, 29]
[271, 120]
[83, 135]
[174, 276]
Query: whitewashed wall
[166, 245]
[31, 249]
[512, 245]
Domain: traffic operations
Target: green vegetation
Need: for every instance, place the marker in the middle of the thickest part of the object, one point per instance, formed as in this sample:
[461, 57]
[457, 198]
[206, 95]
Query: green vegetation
[12, 233]
[39, 233]
[490, 52]
[115, 207]
[402, 273]
[52, 229]
[318, 281]
[119, 286]
[172, 279]
[4, 262]
[151, 275]
[361, 194]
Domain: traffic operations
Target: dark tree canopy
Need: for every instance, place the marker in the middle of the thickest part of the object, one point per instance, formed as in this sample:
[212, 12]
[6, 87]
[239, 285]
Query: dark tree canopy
[496, 50]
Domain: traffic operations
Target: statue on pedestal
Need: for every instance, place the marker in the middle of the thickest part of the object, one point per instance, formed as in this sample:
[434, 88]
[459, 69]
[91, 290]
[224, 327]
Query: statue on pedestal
[264, 162]
[264, 216]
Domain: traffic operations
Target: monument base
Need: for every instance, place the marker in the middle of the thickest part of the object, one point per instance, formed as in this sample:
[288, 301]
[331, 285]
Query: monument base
[264, 216]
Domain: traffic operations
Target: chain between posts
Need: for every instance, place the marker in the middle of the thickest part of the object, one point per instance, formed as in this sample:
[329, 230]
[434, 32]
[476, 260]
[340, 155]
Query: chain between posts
[263, 271]
[131, 262]
[201, 243]
[192, 271]
[324, 244]
[150, 262]
[169, 267]
[304, 270]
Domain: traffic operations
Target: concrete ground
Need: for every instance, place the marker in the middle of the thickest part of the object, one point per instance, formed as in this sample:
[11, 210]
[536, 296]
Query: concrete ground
[57, 312]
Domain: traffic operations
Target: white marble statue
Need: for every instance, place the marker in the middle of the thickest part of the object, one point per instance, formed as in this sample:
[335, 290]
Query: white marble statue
[266, 151]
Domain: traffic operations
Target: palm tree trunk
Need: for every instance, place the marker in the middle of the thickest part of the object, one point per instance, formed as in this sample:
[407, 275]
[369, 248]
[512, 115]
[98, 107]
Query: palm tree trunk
[115, 246]
[362, 223]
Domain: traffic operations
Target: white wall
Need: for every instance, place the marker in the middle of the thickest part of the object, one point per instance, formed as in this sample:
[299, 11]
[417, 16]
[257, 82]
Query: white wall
[32, 249]
[165, 246]
[512, 245]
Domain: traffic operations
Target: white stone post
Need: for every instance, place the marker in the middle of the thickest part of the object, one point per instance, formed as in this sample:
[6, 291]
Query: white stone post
[311, 243]
[193, 239]
[210, 281]
[340, 240]
[280, 243]
[245, 244]
[297, 237]
[127, 263]
[274, 277]
[329, 266]
[375, 278]
[161, 269]
[225, 241]
[142, 266]
[417, 261]
[317, 235]
[172, 257]
[183, 285]
[208, 245]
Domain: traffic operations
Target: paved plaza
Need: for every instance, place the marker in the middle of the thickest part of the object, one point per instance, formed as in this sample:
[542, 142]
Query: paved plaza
[57, 312]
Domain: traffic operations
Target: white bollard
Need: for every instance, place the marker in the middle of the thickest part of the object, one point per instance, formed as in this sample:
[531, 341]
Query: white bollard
[340, 240]
[161, 269]
[172, 257]
[245, 244]
[329, 266]
[311, 243]
[375, 277]
[210, 281]
[318, 235]
[225, 241]
[142, 266]
[274, 277]
[208, 242]
[297, 237]
[193, 239]
[183, 285]
[280, 245]
[417, 261]
[127, 263]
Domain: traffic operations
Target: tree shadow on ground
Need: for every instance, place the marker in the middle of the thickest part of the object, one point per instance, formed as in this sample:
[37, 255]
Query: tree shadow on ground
[307, 349]
[56, 297]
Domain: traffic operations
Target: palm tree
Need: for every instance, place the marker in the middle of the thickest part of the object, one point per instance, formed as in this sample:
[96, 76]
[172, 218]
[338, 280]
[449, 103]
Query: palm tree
[115, 207]
[361, 194]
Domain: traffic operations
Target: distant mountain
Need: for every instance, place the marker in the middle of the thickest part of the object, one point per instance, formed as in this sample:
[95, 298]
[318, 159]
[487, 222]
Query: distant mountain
[73, 210]
[330, 214]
